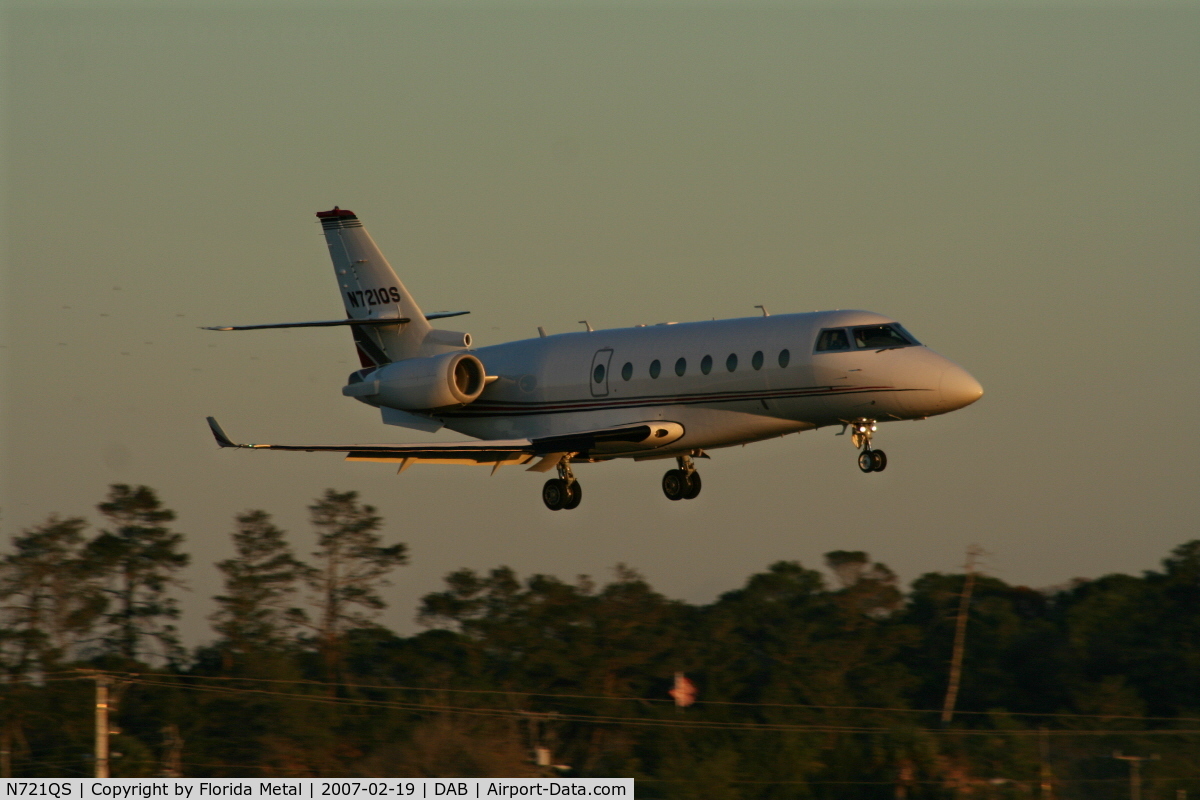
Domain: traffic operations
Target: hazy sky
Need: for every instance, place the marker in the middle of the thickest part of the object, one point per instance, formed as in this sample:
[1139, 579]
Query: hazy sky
[1019, 184]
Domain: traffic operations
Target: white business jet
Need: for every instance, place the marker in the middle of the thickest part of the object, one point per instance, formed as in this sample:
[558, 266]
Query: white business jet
[648, 392]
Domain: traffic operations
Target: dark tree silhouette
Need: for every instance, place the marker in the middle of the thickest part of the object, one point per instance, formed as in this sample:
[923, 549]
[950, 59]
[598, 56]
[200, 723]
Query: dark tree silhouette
[50, 599]
[351, 567]
[255, 613]
[137, 559]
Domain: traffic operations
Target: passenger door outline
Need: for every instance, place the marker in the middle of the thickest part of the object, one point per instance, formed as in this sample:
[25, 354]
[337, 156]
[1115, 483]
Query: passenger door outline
[601, 359]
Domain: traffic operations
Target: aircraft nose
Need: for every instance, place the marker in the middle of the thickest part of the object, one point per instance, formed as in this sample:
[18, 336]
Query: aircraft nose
[958, 388]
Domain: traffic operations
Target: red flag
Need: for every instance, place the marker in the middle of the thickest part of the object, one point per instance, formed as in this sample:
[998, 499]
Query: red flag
[684, 691]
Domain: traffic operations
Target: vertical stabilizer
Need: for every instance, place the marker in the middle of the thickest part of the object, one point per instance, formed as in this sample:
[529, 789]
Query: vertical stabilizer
[371, 290]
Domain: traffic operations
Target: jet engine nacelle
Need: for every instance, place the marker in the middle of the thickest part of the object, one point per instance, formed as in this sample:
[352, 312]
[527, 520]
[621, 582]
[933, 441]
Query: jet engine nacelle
[419, 384]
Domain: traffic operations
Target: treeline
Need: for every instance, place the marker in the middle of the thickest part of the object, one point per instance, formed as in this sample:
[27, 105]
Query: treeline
[806, 686]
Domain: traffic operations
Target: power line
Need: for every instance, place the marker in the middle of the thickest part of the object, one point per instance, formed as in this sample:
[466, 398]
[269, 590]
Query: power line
[646, 721]
[652, 700]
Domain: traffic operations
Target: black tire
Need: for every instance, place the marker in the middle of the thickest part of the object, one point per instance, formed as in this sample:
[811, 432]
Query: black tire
[879, 460]
[866, 461]
[674, 484]
[693, 486]
[554, 493]
[575, 495]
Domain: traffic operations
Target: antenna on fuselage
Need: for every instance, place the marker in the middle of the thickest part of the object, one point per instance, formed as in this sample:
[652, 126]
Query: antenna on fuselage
[586, 324]
[541, 332]
[764, 310]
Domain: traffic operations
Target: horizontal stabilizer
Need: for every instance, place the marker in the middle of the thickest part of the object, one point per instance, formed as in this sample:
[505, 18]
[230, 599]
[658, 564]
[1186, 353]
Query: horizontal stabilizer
[330, 323]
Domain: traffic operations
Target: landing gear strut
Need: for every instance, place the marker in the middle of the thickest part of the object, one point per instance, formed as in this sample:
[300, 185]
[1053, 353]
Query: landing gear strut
[682, 483]
[563, 491]
[869, 460]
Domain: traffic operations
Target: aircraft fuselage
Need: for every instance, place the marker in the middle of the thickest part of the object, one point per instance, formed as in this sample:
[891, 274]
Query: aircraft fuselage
[777, 385]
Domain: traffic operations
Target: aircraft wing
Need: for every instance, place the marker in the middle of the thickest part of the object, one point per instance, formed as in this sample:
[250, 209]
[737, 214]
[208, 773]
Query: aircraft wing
[638, 437]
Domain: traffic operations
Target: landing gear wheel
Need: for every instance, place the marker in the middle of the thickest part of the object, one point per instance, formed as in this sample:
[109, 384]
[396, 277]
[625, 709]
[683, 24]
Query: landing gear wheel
[555, 494]
[878, 460]
[866, 461]
[575, 495]
[693, 486]
[675, 484]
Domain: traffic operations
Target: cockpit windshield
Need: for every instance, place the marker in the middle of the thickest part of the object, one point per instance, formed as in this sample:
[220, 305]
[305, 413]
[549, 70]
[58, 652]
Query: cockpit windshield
[874, 337]
[865, 337]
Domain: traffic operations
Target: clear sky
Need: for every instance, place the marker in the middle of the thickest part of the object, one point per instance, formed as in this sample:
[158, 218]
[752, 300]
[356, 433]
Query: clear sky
[1019, 184]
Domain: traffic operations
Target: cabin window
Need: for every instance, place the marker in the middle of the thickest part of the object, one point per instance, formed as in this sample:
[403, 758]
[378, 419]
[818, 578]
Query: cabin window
[706, 364]
[681, 367]
[627, 371]
[873, 337]
[655, 368]
[598, 373]
[731, 362]
[756, 360]
[784, 358]
[832, 339]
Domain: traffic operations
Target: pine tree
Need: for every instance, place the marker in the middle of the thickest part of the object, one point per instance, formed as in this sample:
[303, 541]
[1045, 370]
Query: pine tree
[255, 613]
[137, 560]
[351, 568]
[49, 598]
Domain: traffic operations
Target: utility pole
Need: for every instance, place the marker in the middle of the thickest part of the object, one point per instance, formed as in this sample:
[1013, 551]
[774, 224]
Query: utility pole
[101, 725]
[904, 777]
[172, 766]
[1135, 772]
[103, 729]
[6, 751]
[960, 634]
[1047, 788]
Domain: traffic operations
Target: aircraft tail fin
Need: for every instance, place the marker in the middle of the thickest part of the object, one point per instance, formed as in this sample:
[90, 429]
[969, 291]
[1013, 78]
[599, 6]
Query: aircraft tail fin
[371, 290]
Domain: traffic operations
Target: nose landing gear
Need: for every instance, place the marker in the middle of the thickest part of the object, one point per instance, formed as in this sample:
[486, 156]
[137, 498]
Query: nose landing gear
[563, 491]
[682, 483]
[869, 460]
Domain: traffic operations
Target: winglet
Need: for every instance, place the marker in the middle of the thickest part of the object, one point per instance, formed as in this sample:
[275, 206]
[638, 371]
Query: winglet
[219, 435]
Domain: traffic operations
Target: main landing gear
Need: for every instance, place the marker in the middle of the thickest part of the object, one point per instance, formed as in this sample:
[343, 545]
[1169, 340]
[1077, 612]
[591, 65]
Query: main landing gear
[869, 460]
[563, 491]
[682, 483]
